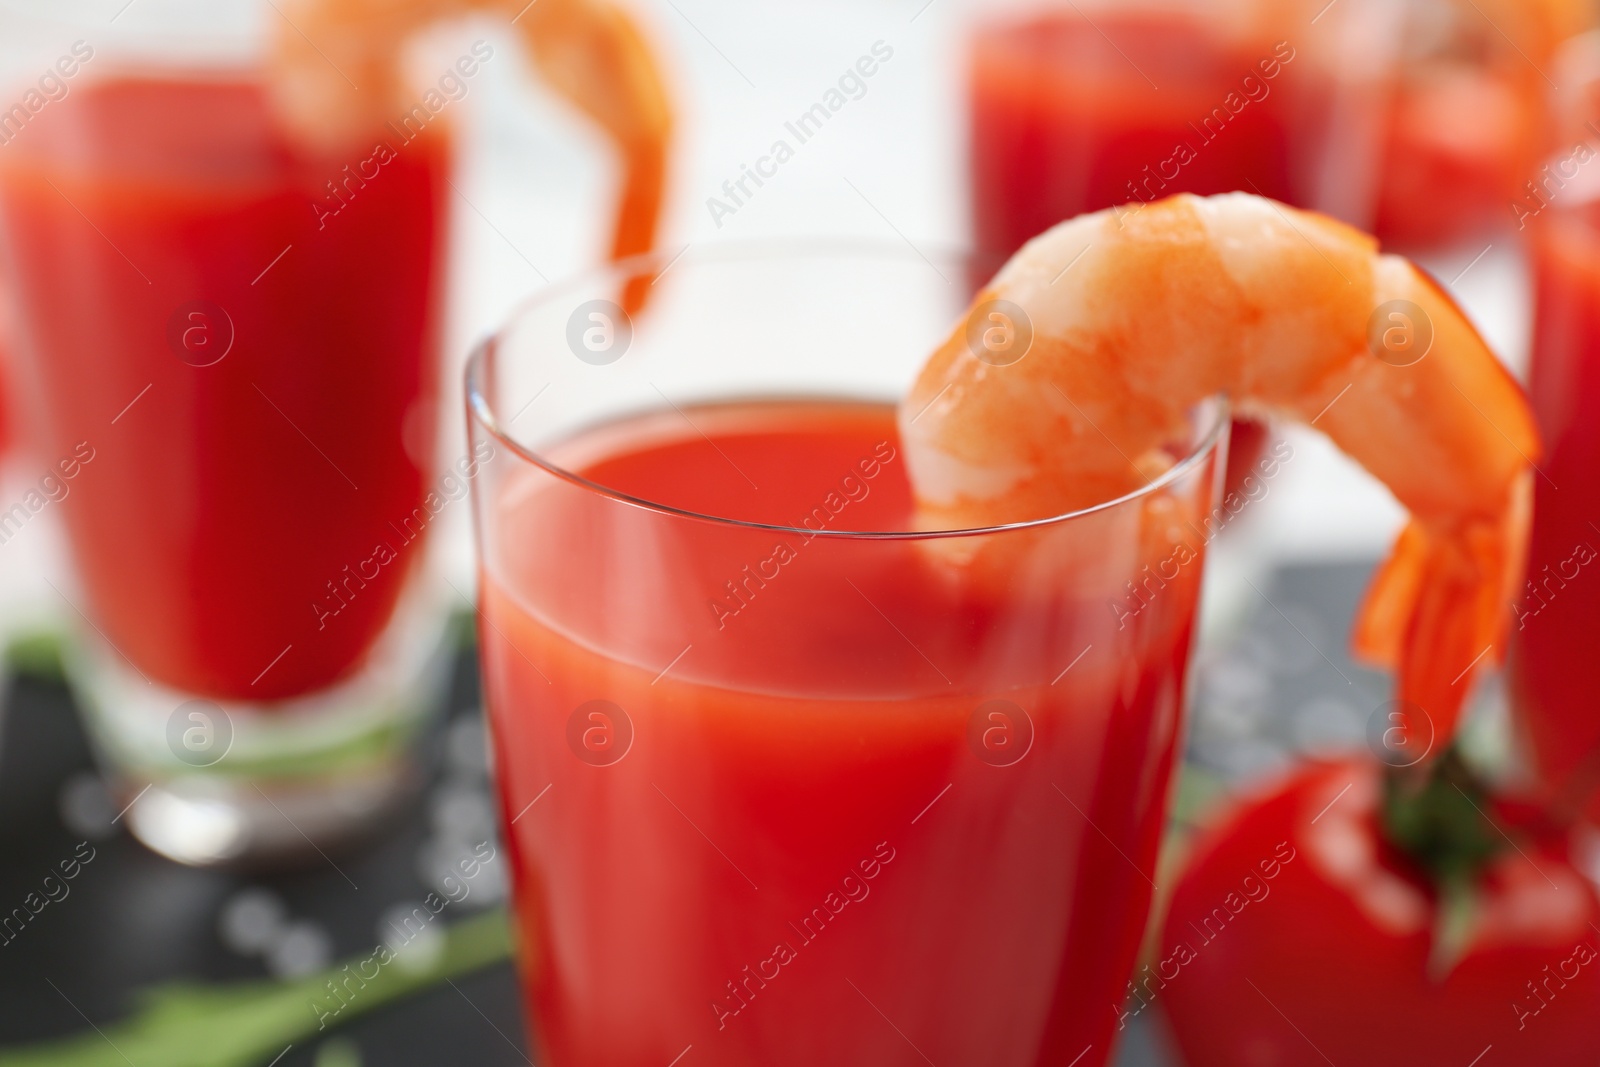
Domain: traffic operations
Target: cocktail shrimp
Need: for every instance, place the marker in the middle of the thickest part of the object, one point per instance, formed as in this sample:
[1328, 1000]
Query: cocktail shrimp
[335, 77]
[1090, 349]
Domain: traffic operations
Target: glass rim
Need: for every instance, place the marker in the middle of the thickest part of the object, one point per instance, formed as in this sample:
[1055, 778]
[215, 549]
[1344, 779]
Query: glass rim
[481, 409]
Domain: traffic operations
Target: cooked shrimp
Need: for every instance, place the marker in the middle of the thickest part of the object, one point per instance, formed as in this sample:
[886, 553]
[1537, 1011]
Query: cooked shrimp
[336, 78]
[1137, 316]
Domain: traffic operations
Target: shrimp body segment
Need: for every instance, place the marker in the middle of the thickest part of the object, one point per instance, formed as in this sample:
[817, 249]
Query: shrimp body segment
[1137, 316]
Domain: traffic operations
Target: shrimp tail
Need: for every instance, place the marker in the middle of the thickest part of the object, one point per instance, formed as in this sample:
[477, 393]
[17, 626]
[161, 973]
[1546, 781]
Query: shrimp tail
[1437, 611]
[591, 52]
[1388, 607]
[596, 57]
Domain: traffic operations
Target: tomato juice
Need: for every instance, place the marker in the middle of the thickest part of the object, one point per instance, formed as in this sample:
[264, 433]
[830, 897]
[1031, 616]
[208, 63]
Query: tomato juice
[1070, 115]
[792, 795]
[1557, 610]
[246, 332]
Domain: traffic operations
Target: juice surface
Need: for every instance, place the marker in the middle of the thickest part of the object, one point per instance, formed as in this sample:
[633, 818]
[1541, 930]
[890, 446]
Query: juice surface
[806, 837]
[1556, 613]
[245, 526]
[1071, 115]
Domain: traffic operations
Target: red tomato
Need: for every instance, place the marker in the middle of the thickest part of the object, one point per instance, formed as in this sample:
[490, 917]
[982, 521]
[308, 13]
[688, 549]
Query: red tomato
[1298, 936]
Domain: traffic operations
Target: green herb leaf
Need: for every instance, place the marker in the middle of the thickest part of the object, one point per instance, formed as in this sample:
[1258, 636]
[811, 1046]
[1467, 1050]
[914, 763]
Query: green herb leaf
[247, 1024]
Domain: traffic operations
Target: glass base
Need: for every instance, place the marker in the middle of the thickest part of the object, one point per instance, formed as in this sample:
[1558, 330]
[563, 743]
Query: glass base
[268, 783]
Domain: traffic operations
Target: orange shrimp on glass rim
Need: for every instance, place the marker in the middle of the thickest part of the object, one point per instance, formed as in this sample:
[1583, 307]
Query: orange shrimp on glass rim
[336, 76]
[1092, 347]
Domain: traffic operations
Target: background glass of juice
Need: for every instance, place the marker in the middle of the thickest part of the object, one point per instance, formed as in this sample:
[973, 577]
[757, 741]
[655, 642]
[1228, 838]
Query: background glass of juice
[783, 781]
[1556, 612]
[1468, 118]
[230, 345]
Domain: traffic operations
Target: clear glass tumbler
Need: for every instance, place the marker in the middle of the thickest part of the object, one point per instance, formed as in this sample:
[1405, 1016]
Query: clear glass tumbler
[229, 328]
[786, 780]
[240, 392]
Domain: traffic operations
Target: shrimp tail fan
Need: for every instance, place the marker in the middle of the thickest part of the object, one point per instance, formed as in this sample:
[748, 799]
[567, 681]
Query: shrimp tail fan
[1440, 606]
